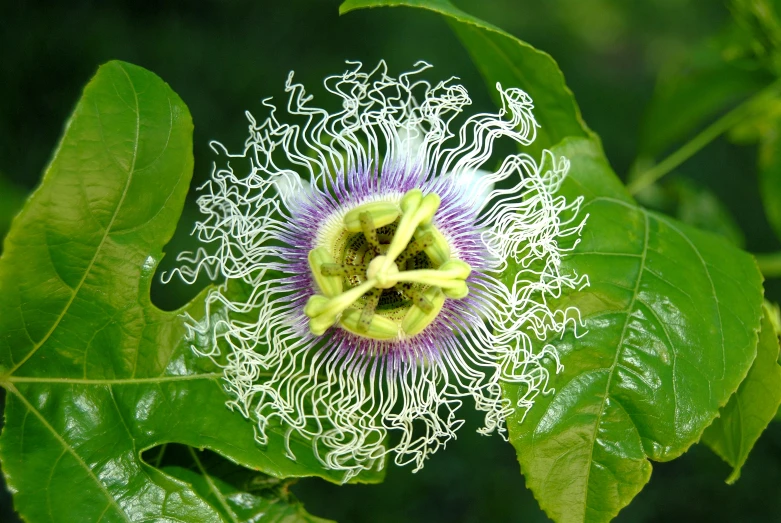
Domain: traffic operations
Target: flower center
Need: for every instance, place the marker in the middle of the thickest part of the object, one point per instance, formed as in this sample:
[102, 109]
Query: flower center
[389, 274]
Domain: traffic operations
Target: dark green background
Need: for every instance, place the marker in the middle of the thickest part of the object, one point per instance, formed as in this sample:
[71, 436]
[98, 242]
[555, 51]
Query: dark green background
[223, 57]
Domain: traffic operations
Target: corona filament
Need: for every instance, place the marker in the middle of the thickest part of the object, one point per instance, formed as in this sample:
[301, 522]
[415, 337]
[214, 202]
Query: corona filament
[377, 267]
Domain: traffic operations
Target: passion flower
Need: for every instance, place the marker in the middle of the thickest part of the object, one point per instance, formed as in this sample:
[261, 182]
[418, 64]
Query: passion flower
[375, 270]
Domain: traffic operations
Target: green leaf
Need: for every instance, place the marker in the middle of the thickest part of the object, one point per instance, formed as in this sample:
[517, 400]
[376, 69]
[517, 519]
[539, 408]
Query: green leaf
[770, 175]
[239, 494]
[94, 372]
[693, 204]
[443, 7]
[751, 408]
[505, 59]
[670, 325]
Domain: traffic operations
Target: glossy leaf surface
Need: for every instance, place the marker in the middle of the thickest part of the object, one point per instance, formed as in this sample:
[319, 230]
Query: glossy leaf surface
[670, 322]
[752, 407]
[94, 372]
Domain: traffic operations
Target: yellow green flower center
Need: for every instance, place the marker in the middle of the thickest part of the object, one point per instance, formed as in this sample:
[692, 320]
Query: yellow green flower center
[387, 274]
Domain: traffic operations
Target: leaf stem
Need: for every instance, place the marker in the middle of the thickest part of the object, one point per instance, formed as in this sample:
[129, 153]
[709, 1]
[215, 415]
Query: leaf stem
[707, 135]
[159, 458]
[217, 493]
[769, 264]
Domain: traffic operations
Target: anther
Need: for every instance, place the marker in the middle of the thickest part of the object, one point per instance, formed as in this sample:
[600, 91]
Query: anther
[332, 269]
[417, 319]
[379, 329]
[382, 214]
[330, 284]
[438, 251]
[457, 291]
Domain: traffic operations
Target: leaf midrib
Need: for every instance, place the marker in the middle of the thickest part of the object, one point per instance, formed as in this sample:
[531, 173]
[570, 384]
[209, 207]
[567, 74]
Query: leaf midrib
[99, 248]
[619, 350]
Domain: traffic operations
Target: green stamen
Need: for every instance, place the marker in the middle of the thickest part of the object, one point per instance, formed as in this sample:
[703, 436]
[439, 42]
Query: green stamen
[329, 284]
[449, 275]
[382, 213]
[416, 210]
[417, 319]
[382, 300]
[379, 329]
[416, 296]
[323, 314]
[439, 249]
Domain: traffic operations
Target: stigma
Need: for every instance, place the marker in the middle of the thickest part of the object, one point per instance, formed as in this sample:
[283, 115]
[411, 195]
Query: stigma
[387, 273]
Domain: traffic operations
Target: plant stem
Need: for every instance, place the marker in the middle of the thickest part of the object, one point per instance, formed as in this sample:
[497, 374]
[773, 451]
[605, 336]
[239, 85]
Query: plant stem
[769, 264]
[707, 135]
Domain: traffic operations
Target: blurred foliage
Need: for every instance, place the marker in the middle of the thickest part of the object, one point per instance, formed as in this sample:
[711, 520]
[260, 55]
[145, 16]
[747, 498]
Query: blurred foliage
[224, 57]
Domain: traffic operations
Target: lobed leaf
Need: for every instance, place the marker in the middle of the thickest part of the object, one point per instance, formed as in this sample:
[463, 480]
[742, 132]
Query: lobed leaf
[670, 322]
[752, 407]
[94, 372]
